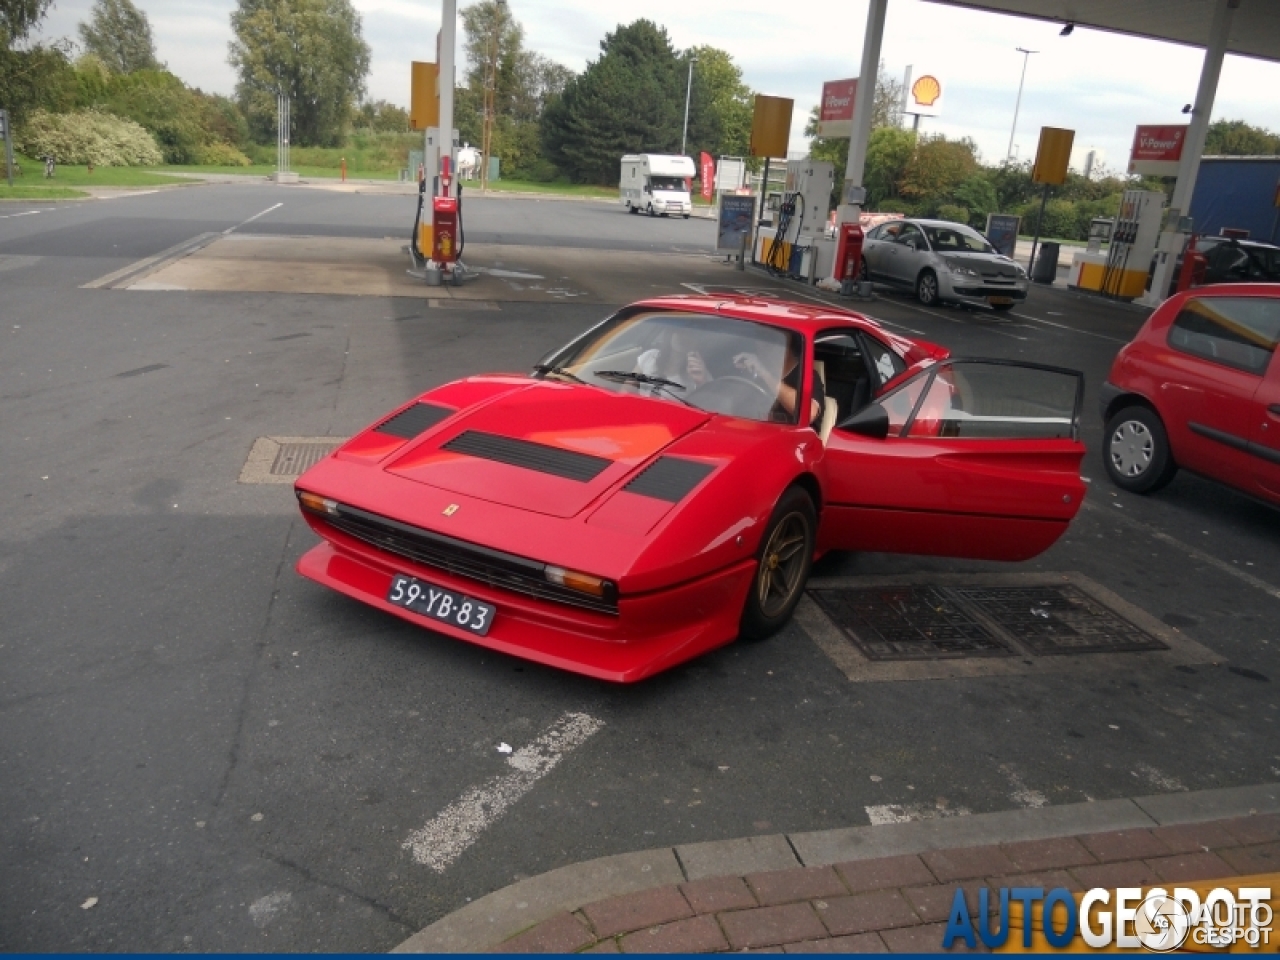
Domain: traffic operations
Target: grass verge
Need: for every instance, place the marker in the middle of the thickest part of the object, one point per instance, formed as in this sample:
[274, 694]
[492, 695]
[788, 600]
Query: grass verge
[31, 176]
[23, 192]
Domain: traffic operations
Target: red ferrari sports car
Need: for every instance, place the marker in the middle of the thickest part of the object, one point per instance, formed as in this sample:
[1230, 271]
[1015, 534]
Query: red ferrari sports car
[663, 483]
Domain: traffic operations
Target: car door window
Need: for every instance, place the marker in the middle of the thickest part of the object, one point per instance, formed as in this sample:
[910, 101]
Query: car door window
[1238, 332]
[910, 236]
[884, 363]
[986, 399]
[901, 403]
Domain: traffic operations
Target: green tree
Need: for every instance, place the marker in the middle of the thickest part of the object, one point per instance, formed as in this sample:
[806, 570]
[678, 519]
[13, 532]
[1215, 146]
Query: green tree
[720, 104]
[19, 17]
[523, 80]
[312, 51]
[381, 116]
[938, 166]
[38, 76]
[630, 100]
[119, 35]
[1235, 138]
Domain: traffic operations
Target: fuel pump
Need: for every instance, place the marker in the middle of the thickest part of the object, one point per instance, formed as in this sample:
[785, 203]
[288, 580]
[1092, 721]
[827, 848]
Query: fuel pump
[1133, 244]
[849, 257]
[438, 236]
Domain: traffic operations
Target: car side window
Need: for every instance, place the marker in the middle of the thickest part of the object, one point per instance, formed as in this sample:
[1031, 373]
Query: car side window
[1238, 332]
[884, 363]
[910, 236]
[901, 402]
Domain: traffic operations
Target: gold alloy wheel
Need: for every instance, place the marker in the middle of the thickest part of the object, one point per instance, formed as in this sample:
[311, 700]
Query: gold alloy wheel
[782, 565]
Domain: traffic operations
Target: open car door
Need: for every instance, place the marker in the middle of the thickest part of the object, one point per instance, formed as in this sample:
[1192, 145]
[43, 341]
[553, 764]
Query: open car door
[970, 458]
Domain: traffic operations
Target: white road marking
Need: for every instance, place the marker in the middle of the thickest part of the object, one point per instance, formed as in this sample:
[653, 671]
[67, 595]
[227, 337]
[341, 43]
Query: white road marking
[253, 218]
[1023, 795]
[1160, 779]
[460, 824]
[940, 316]
[263, 910]
[1186, 548]
[1063, 326]
[907, 812]
[25, 213]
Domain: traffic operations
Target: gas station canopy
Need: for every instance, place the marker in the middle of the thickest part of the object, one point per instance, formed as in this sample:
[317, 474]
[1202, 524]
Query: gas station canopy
[1254, 31]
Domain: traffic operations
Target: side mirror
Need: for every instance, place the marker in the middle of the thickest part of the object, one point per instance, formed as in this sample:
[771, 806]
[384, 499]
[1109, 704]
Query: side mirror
[871, 421]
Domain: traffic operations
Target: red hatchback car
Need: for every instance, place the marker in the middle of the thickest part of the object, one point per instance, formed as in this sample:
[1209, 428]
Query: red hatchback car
[1199, 387]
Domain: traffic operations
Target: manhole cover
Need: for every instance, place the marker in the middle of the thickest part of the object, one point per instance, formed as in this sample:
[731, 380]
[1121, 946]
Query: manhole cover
[284, 459]
[929, 622]
[294, 459]
[909, 623]
[1058, 620]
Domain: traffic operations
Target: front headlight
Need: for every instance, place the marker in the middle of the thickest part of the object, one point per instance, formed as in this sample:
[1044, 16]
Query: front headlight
[1022, 273]
[961, 270]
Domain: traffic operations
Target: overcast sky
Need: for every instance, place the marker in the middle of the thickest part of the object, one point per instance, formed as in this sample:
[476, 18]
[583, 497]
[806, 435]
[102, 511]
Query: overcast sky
[1098, 84]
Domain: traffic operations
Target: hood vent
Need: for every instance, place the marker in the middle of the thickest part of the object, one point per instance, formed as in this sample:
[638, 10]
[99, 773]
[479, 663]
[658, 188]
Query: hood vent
[411, 421]
[531, 456]
[669, 478]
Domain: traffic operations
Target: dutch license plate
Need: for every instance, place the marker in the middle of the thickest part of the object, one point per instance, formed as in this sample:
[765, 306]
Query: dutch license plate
[999, 300]
[440, 604]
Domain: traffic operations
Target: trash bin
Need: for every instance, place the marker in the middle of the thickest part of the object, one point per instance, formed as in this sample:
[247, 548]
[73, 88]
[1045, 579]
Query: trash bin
[1045, 269]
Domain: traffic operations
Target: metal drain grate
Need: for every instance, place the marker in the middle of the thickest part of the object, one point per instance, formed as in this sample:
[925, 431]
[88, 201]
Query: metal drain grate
[283, 459]
[294, 459]
[929, 622]
[909, 623]
[1058, 620]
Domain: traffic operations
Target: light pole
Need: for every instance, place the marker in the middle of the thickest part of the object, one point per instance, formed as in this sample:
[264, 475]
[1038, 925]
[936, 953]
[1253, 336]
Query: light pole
[687, 90]
[1026, 55]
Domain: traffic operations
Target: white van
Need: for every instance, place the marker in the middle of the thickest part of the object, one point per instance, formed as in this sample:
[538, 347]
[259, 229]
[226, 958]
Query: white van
[657, 184]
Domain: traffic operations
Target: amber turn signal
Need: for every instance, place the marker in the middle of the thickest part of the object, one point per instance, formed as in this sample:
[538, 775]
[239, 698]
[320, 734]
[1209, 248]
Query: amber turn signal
[582, 582]
[318, 504]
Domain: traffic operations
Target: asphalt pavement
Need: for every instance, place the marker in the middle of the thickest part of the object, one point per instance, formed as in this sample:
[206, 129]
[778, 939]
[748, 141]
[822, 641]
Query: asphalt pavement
[201, 751]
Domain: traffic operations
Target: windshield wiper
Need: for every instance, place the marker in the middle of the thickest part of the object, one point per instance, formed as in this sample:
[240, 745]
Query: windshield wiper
[624, 376]
[558, 371]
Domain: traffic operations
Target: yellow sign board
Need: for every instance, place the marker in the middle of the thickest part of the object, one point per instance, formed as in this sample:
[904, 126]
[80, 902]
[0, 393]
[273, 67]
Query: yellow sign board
[771, 126]
[1053, 155]
[424, 96]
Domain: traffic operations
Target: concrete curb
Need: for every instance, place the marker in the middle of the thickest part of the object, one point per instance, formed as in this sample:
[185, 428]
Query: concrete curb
[489, 921]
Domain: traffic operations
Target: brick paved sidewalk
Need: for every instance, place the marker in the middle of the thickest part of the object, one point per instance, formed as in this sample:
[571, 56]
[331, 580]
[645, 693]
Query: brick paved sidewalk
[898, 903]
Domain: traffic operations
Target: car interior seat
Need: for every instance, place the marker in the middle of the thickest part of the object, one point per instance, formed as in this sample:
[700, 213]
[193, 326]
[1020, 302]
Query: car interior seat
[831, 406]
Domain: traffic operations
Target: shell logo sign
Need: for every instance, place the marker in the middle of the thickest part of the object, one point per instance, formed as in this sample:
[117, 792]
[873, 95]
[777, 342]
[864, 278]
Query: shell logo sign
[926, 90]
[924, 96]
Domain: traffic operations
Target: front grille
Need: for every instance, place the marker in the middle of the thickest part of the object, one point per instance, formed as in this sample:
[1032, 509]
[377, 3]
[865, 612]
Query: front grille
[495, 568]
[1009, 291]
[531, 456]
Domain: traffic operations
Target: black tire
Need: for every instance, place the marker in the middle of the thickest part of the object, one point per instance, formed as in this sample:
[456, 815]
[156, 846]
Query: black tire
[686, 216]
[1002, 307]
[630, 208]
[927, 288]
[651, 213]
[1135, 450]
[783, 562]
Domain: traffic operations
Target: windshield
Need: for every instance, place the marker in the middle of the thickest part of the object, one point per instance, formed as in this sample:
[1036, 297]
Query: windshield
[667, 183]
[955, 238]
[717, 364]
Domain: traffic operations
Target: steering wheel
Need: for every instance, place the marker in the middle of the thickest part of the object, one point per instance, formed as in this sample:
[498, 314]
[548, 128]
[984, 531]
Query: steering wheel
[726, 395]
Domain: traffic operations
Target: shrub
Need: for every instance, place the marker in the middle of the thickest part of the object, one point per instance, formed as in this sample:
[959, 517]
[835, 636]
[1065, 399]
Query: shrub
[949, 211]
[88, 137]
[221, 155]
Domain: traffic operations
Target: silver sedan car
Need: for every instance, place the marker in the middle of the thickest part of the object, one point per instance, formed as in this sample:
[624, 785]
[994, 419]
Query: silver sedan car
[943, 261]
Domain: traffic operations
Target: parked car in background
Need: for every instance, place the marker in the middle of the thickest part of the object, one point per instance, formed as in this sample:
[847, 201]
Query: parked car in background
[1199, 387]
[943, 261]
[1228, 260]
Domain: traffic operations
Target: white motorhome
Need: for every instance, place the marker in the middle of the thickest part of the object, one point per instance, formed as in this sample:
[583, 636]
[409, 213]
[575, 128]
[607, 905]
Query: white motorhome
[657, 184]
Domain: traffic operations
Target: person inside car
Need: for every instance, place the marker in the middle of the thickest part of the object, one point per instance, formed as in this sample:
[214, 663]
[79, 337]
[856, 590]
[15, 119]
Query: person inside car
[675, 357]
[786, 391]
